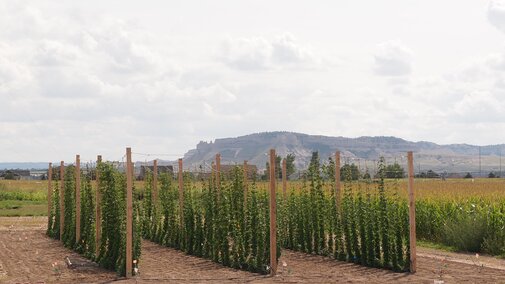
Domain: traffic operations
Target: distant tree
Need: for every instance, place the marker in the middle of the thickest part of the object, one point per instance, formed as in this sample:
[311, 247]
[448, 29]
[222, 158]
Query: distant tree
[266, 173]
[366, 175]
[314, 161]
[290, 164]
[428, 174]
[395, 171]
[313, 175]
[9, 175]
[491, 175]
[468, 175]
[328, 170]
[432, 174]
[349, 172]
[278, 168]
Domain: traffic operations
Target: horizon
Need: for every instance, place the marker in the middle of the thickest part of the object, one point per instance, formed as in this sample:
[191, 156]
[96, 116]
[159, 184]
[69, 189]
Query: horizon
[92, 78]
[157, 156]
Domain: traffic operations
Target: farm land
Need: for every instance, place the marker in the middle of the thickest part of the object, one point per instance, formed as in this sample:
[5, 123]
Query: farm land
[445, 248]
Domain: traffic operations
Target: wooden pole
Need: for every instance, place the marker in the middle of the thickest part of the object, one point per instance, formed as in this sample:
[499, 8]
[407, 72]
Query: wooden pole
[181, 192]
[98, 212]
[273, 217]
[245, 183]
[412, 213]
[129, 212]
[77, 198]
[284, 179]
[338, 193]
[49, 189]
[62, 204]
[154, 199]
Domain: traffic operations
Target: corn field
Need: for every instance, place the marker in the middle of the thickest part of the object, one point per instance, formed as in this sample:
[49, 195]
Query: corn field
[472, 224]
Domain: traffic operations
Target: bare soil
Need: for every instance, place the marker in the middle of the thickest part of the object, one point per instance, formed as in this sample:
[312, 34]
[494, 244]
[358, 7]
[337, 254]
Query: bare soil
[27, 255]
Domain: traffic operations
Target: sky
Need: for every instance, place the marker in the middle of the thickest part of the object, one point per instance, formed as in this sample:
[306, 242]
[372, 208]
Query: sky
[93, 77]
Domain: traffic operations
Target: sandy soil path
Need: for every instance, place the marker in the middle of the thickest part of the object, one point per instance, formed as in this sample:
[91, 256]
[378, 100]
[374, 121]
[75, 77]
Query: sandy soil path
[28, 256]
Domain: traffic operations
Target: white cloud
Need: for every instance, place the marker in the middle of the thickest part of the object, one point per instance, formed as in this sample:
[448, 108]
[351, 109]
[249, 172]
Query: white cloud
[246, 53]
[72, 81]
[392, 58]
[496, 61]
[259, 53]
[479, 107]
[496, 14]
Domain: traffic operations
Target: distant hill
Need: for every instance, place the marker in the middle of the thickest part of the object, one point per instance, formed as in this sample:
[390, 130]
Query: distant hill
[453, 158]
[254, 148]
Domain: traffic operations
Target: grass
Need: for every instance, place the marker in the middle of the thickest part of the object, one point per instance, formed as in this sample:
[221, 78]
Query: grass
[10, 208]
[433, 245]
[23, 198]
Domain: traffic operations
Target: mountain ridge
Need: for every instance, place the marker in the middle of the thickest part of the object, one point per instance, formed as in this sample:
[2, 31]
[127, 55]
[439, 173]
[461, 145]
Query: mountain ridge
[253, 147]
[362, 150]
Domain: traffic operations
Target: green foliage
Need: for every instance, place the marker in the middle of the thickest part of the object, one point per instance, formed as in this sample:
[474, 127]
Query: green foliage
[9, 176]
[53, 225]
[349, 172]
[466, 233]
[394, 171]
[68, 237]
[472, 225]
[112, 252]
[371, 228]
[290, 164]
[217, 222]
[23, 196]
[428, 174]
[148, 210]
[86, 245]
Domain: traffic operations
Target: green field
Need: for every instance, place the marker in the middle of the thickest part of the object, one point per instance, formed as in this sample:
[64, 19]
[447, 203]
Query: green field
[23, 198]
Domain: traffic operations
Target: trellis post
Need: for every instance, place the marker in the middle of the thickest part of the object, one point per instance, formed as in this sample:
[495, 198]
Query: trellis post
[62, 204]
[284, 179]
[49, 189]
[412, 213]
[273, 218]
[181, 193]
[129, 212]
[77, 198]
[98, 211]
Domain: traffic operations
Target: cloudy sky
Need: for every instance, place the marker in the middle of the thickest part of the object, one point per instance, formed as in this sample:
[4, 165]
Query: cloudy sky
[95, 76]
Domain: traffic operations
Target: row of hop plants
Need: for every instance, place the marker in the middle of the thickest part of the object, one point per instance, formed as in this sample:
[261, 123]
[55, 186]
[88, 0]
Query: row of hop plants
[370, 228]
[473, 224]
[112, 185]
[218, 221]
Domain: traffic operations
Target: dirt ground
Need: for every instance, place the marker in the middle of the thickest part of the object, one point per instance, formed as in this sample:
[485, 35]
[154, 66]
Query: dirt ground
[28, 256]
